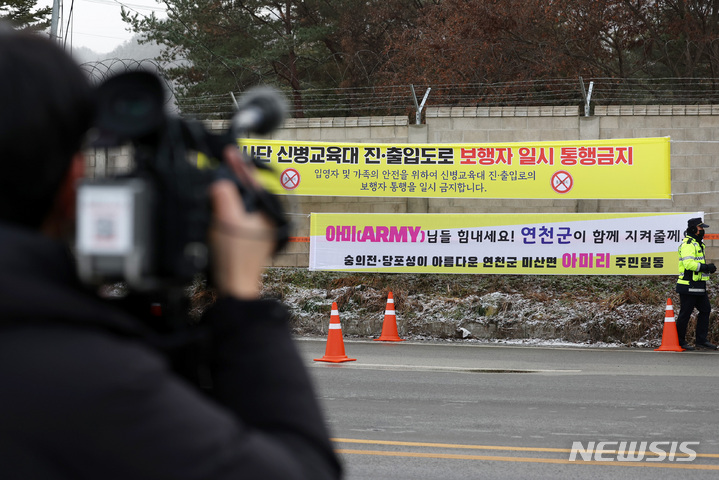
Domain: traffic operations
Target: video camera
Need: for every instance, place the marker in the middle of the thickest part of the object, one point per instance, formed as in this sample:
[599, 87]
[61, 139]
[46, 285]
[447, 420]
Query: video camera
[149, 228]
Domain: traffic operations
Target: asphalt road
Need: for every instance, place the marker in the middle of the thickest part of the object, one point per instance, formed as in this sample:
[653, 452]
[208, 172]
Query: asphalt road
[450, 411]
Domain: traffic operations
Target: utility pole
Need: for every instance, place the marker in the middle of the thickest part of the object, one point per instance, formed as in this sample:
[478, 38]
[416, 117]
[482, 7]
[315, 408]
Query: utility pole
[56, 20]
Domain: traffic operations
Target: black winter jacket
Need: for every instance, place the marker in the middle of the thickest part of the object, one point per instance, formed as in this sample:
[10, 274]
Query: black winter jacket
[85, 395]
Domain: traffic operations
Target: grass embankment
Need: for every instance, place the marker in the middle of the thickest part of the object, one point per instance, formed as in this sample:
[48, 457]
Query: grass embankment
[582, 309]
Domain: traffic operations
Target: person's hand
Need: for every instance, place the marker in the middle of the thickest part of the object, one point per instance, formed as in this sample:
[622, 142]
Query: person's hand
[707, 267]
[241, 243]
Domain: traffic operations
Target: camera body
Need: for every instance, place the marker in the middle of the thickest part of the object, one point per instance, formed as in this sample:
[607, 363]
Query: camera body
[149, 228]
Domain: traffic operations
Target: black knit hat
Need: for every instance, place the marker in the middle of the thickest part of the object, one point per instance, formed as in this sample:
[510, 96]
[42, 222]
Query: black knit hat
[696, 222]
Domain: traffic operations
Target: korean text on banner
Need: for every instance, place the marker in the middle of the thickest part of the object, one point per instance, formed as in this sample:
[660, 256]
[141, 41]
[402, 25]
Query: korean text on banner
[562, 244]
[617, 168]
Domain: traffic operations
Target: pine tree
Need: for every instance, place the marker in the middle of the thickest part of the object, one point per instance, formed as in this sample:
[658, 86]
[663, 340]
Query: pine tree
[24, 15]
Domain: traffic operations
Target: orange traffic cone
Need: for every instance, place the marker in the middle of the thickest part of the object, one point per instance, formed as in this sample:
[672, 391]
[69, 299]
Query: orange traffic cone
[389, 327]
[670, 339]
[335, 349]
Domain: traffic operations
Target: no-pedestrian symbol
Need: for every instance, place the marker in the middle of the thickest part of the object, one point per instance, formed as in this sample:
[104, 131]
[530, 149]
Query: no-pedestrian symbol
[290, 179]
[562, 181]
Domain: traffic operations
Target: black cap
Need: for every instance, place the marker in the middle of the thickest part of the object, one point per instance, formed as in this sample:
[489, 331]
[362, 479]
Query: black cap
[696, 222]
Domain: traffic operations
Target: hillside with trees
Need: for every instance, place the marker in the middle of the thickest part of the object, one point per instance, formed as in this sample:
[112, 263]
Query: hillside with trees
[306, 46]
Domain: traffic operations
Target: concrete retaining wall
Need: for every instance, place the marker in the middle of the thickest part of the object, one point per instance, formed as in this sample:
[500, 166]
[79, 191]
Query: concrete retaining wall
[694, 131]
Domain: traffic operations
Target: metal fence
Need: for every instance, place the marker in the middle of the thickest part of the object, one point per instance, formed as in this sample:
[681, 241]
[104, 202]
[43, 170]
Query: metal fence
[406, 99]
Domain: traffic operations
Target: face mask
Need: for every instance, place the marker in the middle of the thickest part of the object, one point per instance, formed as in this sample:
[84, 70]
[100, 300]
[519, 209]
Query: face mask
[700, 234]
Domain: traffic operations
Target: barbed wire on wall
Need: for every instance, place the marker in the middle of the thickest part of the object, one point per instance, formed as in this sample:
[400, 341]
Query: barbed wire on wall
[399, 100]
[100, 70]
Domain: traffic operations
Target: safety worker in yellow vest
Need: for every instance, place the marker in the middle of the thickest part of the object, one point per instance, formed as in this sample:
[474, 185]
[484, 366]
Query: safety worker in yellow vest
[691, 286]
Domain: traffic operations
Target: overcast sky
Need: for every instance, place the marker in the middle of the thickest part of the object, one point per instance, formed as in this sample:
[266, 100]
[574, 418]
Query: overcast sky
[96, 24]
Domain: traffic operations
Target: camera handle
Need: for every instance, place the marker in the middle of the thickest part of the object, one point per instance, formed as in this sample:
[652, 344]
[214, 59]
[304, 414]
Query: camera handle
[255, 199]
[260, 200]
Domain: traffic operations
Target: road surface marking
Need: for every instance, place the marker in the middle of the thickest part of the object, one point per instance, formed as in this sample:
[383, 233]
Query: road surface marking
[380, 453]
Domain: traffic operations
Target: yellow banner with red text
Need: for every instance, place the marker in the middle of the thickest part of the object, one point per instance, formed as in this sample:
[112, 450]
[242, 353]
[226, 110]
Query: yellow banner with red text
[597, 169]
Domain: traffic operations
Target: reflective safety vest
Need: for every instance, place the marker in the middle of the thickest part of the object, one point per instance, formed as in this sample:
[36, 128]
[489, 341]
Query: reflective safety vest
[691, 255]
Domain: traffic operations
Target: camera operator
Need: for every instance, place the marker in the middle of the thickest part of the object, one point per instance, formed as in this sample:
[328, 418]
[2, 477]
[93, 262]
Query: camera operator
[84, 390]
